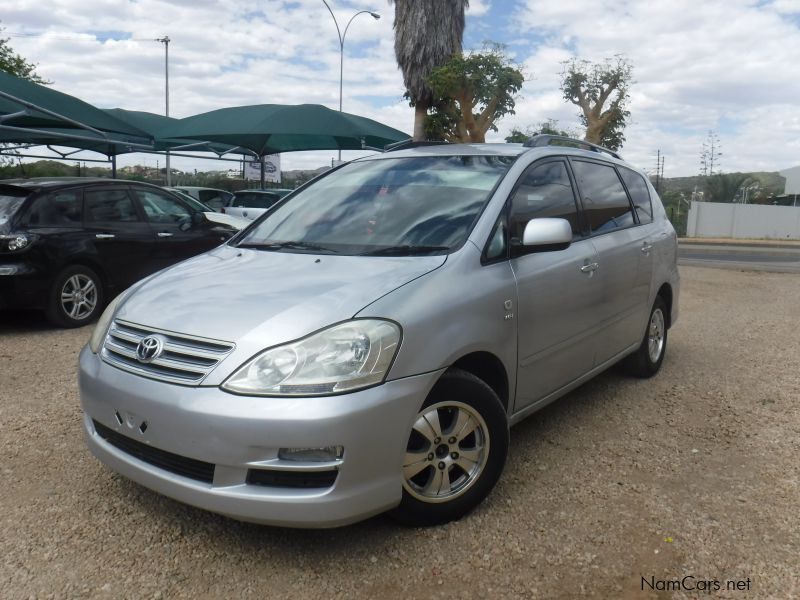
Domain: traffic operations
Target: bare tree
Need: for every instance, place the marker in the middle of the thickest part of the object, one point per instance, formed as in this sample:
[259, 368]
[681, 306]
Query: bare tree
[600, 90]
[711, 154]
[427, 33]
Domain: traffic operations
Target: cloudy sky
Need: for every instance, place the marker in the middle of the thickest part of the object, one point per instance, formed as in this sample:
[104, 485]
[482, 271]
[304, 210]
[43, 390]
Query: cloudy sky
[725, 65]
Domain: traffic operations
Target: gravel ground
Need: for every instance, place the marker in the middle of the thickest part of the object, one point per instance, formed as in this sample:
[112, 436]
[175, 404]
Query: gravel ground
[692, 473]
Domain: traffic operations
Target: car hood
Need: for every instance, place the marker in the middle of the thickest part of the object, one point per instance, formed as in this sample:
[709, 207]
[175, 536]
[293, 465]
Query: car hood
[259, 298]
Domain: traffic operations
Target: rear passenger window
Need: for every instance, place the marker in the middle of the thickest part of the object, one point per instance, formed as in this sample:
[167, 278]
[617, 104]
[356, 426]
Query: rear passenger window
[546, 191]
[637, 188]
[604, 199]
[58, 209]
[109, 206]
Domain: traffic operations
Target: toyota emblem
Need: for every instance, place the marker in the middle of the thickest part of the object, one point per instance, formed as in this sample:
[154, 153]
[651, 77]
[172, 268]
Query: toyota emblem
[149, 349]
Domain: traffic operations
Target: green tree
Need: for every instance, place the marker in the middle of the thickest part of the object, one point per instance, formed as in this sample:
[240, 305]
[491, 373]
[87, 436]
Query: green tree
[547, 127]
[16, 65]
[600, 90]
[427, 33]
[723, 187]
[471, 93]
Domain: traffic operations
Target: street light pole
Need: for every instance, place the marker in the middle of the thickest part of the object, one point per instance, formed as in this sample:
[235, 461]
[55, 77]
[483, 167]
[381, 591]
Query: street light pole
[342, 37]
[165, 40]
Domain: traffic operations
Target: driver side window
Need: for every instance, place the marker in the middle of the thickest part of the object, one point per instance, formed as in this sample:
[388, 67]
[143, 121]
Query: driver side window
[162, 209]
[544, 191]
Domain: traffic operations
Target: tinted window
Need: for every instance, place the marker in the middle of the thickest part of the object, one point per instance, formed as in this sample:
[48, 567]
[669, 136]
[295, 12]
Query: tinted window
[496, 248]
[545, 191]
[604, 199]
[390, 204]
[109, 206]
[637, 188]
[58, 209]
[160, 208]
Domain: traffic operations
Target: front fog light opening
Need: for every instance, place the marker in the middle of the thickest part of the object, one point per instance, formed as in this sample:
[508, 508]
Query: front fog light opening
[324, 454]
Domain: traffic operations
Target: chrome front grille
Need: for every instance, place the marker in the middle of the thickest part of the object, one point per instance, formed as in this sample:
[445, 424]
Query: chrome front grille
[184, 359]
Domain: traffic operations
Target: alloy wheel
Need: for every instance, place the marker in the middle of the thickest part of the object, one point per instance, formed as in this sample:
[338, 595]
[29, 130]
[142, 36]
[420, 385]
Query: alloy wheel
[79, 296]
[446, 453]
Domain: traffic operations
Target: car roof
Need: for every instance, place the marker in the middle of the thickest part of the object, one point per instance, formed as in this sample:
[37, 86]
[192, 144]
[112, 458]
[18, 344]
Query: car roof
[41, 183]
[197, 188]
[270, 192]
[492, 149]
[452, 150]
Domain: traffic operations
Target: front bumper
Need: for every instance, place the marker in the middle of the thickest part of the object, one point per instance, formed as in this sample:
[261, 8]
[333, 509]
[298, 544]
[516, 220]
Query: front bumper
[21, 285]
[237, 434]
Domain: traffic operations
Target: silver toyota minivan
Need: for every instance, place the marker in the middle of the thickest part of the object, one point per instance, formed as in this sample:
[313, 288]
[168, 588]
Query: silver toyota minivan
[365, 345]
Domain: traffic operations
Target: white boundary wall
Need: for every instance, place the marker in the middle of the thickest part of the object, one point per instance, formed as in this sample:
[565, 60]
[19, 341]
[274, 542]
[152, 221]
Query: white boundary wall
[754, 221]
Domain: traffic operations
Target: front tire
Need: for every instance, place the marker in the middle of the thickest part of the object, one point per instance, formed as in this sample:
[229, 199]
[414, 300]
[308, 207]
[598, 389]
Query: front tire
[455, 453]
[76, 297]
[646, 361]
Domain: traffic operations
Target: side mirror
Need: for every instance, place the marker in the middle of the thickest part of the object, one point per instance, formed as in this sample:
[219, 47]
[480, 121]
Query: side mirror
[547, 234]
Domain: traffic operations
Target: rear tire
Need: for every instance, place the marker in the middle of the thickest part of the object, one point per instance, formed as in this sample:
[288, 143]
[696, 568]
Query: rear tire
[455, 452]
[76, 297]
[646, 361]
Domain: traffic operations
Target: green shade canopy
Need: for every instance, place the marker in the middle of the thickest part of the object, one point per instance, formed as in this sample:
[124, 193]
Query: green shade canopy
[273, 128]
[33, 113]
[153, 124]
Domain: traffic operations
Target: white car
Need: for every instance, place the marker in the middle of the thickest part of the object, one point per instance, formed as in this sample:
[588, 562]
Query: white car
[251, 204]
[210, 214]
[212, 197]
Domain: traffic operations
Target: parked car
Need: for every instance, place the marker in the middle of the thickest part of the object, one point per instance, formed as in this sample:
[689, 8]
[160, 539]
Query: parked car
[213, 216]
[68, 245]
[251, 204]
[212, 197]
[366, 345]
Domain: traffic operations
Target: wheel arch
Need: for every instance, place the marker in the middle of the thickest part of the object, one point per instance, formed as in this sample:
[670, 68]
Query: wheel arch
[490, 369]
[665, 292]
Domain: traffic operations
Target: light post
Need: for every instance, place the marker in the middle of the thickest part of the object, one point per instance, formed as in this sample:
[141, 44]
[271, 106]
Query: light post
[342, 37]
[165, 40]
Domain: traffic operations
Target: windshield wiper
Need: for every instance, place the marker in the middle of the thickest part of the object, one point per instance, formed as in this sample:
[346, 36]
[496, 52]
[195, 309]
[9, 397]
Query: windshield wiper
[281, 245]
[405, 250]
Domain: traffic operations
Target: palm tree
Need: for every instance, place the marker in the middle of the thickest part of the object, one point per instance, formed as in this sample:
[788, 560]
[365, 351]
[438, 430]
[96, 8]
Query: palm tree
[427, 33]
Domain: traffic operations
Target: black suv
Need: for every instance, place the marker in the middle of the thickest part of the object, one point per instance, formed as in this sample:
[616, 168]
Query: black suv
[68, 245]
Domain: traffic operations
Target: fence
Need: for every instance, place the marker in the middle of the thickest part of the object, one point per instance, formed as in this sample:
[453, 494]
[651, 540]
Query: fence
[745, 221]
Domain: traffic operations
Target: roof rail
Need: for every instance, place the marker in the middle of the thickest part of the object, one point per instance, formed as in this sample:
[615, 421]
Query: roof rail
[410, 143]
[543, 139]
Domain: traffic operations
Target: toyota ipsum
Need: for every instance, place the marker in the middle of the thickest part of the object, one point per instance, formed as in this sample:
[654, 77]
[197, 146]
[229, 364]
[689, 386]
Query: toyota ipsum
[366, 344]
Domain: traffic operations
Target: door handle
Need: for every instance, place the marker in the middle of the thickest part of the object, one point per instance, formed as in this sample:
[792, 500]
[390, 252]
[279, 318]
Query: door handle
[589, 267]
[104, 236]
[164, 234]
[647, 247]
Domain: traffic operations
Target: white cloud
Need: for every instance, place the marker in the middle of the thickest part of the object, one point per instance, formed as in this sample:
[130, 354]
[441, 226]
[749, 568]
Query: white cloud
[722, 65]
[727, 65]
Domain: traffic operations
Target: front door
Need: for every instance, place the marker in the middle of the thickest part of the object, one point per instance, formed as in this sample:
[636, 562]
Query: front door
[179, 232]
[118, 233]
[557, 290]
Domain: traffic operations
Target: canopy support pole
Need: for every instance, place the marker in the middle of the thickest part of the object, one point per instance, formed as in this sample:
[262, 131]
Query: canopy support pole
[263, 174]
[113, 166]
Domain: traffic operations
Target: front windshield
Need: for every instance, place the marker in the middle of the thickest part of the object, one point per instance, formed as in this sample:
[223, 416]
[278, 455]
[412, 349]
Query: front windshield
[8, 206]
[392, 206]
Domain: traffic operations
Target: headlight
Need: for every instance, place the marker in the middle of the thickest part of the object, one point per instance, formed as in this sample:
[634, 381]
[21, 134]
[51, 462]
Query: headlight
[342, 358]
[14, 242]
[103, 322]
